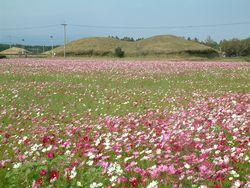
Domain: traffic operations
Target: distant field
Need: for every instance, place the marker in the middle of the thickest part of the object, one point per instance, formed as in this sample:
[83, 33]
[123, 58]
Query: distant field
[176, 57]
[100, 123]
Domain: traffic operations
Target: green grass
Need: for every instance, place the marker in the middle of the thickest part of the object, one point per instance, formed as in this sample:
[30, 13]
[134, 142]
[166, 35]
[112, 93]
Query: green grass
[116, 95]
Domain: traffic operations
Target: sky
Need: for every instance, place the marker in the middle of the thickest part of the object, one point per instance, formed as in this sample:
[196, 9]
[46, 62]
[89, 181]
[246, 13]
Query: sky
[17, 14]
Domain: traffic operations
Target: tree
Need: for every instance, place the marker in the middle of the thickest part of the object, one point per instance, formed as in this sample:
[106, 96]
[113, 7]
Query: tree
[236, 47]
[196, 40]
[211, 43]
[245, 51]
[119, 52]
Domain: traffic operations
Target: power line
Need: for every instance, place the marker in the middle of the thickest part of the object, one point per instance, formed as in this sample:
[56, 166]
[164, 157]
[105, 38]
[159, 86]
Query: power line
[131, 27]
[161, 27]
[29, 28]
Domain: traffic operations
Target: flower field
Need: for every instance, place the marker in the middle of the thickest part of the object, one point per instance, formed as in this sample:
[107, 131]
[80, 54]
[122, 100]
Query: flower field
[79, 123]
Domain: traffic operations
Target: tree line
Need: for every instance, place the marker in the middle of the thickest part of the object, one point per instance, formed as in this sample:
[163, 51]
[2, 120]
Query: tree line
[35, 49]
[130, 39]
[229, 48]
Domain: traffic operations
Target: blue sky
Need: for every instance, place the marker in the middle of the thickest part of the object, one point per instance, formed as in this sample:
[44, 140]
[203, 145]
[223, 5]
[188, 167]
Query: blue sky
[29, 13]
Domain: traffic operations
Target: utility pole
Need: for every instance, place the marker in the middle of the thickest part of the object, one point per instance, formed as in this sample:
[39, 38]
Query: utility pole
[23, 48]
[52, 45]
[65, 39]
[10, 37]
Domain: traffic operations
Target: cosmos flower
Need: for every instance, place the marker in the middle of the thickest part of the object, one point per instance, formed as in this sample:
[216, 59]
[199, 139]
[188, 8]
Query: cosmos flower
[153, 184]
[129, 136]
[54, 175]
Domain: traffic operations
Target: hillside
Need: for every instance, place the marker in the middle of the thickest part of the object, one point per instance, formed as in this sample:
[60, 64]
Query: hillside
[14, 51]
[158, 45]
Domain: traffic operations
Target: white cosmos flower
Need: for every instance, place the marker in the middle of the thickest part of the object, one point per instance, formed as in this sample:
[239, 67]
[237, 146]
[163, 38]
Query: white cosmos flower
[158, 151]
[246, 158]
[20, 141]
[67, 152]
[34, 147]
[113, 179]
[49, 148]
[91, 156]
[17, 165]
[233, 172]
[90, 162]
[118, 156]
[44, 150]
[95, 185]
[73, 173]
[78, 184]
[217, 151]
[203, 186]
[148, 151]
[187, 166]
[153, 184]
[127, 158]
[144, 158]
[153, 167]
[237, 183]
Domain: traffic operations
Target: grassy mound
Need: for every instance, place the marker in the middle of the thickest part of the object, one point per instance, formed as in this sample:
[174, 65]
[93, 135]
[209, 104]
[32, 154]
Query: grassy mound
[155, 46]
[14, 51]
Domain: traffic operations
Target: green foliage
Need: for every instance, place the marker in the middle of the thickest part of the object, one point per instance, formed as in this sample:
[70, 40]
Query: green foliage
[230, 48]
[210, 53]
[119, 52]
[4, 47]
[235, 47]
[129, 39]
[23, 176]
[247, 59]
[29, 172]
[211, 43]
[2, 56]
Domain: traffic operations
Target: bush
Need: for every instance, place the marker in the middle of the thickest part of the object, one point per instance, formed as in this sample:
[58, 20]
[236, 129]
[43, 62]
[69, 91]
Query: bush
[209, 53]
[236, 47]
[247, 59]
[2, 56]
[119, 52]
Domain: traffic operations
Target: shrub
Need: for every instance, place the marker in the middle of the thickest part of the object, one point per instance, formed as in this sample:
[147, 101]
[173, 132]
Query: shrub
[236, 47]
[2, 56]
[209, 53]
[247, 58]
[119, 52]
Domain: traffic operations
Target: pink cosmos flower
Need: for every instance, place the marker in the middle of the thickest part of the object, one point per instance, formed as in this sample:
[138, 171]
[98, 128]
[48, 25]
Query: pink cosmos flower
[43, 172]
[50, 155]
[54, 175]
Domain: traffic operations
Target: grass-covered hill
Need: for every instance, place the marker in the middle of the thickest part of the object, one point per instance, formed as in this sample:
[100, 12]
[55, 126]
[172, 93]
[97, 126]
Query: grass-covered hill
[158, 45]
[14, 51]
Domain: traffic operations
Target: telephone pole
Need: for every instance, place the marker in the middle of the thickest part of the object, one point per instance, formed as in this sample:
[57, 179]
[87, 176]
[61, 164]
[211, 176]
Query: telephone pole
[65, 39]
[23, 48]
[10, 37]
[52, 45]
